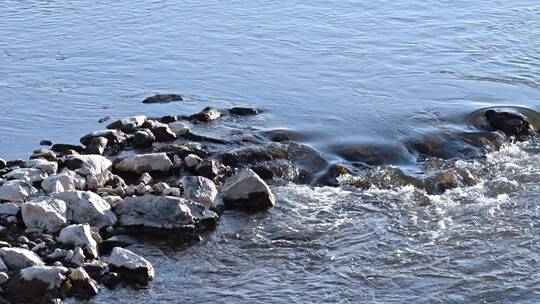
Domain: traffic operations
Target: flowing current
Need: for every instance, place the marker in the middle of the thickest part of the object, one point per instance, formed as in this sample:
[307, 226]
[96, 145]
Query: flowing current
[338, 73]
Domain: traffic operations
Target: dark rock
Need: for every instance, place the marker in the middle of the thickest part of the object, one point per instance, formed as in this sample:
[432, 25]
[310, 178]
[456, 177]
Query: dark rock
[330, 176]
[36, 284]
[183, 150]
[16, 163]
[276, 169]
[168, 119]
[45, 142]
[104, 119]
[163, 98]
[3, 164]
[114, 137]
[163, 133]
[66, 147]
[207, 168]
[197, 137]
[129, 124]
[43, 154]
[373, 155]
[143, 139]
[489, 140]
[281, 135]
[514, 124]
[390, 177]
[206, 115]
[83, 286]
[97, 146]
[120, 240]
[244, 111]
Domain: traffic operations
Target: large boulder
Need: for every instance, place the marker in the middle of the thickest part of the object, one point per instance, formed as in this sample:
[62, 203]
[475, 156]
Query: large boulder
[88, 164]
[19, 258]
[36, 284]
[45, 213]
[87, 207]
[201, 190]
[129, 124]
[16, 191]
[246, 190]
[130, 266]
[79, 235]
[155, 212]
[510, 123]
[144, 163]
[65, 181]
[29, 175]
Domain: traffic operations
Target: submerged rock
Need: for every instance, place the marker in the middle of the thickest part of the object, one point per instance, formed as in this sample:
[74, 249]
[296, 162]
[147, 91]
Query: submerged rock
[19, 258]
[130, 266]
[510, 123]
[16, 191]
[246, 190]
[155, 212]
[45, 213]
[144, 163]
[163, 98]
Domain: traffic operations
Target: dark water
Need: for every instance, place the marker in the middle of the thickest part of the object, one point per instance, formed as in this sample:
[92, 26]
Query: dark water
[338, 72]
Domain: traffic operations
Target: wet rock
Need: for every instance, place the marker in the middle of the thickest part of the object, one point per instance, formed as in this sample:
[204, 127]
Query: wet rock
[2, 164]
[192, 160]
[87, 207]
[9, 209]
[183, 150]
[120, 240]
[36, 283]
[246, 190]
[155, 212]
[448, 180]
[61, 148]
[130, 266]
[179, 128]
[144, 163]
[373, 155]
[65, 181]
[82, 284]
[510, 123]
[43, 154]
[143, 139]
[393, 177]
[88, 164]
[129, 124]
[207, 168]
[244, 111]
[97, 146]
[276, 169]
[29, 175]
[19, 258]
[206, 115]
[489, 140]
[45, 142]
[104, 119]
[282, 135]
[168, 119]
[79, 235]
[45, 213]
[201, 190]
[163, 98]
[163, 133]
[114, 137]
[330, 176]
[16, 191]
[49, 167]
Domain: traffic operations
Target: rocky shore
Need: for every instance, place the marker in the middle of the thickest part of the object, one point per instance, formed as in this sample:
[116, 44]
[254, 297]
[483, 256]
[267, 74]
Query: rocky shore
[68, 212]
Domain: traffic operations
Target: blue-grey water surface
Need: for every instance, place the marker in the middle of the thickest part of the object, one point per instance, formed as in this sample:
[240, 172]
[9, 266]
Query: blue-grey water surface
[337, 71]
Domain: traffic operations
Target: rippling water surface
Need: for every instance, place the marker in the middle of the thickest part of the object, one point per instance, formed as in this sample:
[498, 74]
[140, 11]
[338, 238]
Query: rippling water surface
[352, 72]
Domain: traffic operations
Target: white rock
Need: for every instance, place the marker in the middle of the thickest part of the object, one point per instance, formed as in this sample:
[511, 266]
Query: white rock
[16, 191]
[87, 207]
[49, 167]
[90, 164]
[52, 276]
[29, 175]
[65, 181]
[200, 189]
[179, 128]
[9, 209]
[79, 235]
[144, 163]
[192, 160]
[155, 211]
[247, 190]
[44, 213]
[19, 258]
[126, 261]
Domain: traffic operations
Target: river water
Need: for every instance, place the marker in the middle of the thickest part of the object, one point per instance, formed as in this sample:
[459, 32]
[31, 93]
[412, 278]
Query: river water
[337, 72]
